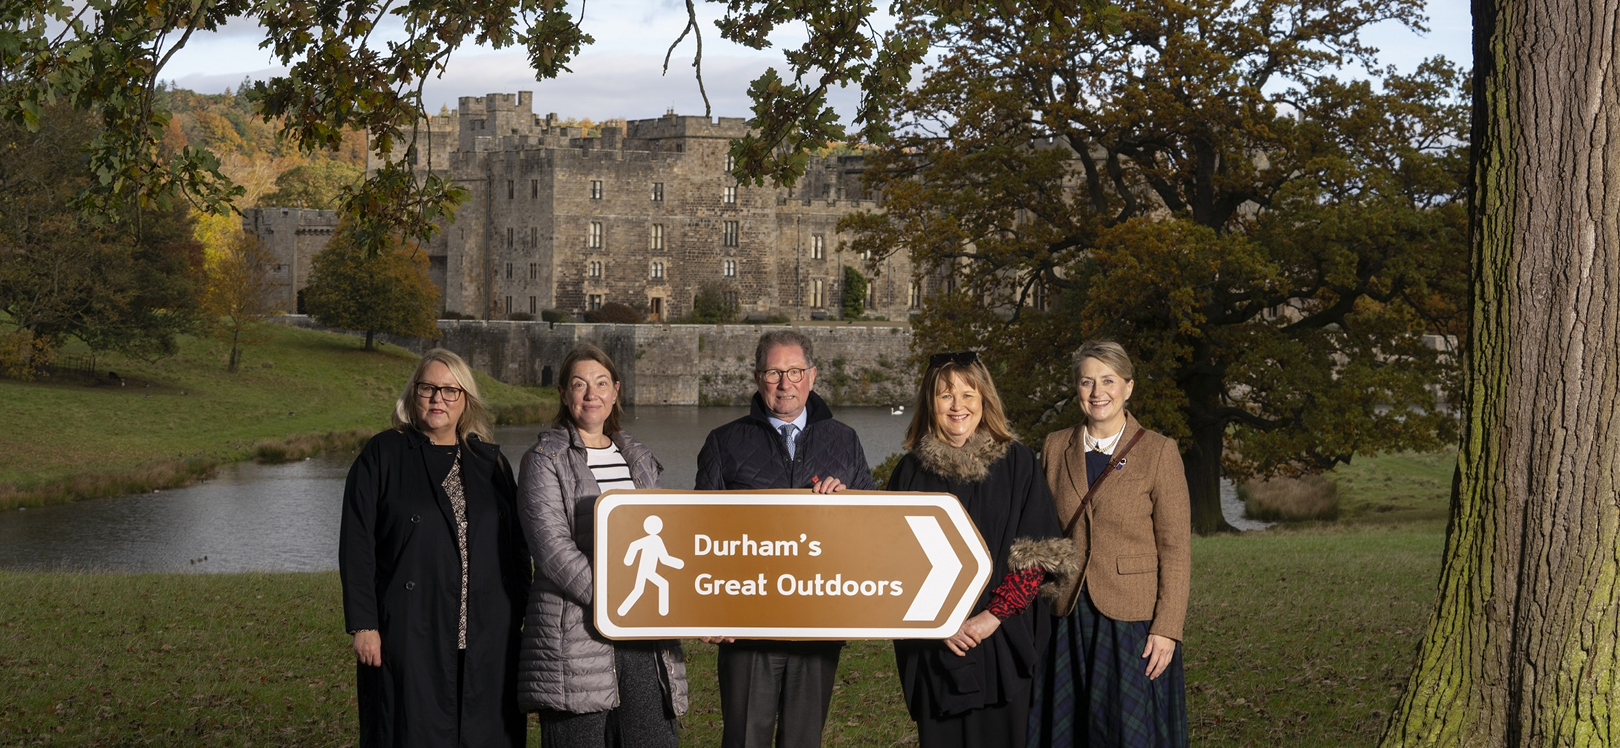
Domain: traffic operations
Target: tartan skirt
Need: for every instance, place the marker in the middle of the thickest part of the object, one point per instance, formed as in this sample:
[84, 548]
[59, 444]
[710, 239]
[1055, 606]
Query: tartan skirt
[1094, 692]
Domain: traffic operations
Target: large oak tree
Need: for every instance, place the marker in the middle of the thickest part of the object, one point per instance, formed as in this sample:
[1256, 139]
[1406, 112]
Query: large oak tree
[1271, 238]
[1524, 647]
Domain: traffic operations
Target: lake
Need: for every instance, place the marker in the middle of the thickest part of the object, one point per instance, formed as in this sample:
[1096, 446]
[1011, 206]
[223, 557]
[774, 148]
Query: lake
[253, 517]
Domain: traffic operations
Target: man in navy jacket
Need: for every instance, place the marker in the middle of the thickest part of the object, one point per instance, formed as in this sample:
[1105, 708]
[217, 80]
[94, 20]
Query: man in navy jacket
[788, 439]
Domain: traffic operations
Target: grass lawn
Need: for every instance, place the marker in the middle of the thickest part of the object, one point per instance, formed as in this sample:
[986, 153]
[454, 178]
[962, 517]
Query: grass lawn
[1294, 638]
[175, 419]
[1405, 487]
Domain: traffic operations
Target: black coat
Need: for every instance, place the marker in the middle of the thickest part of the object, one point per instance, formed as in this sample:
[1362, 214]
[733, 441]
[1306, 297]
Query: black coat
[401, 575]
[1011, 503]
[748, 454]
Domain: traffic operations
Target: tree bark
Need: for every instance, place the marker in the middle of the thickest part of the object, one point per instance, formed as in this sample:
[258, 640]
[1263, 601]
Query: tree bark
[369, 335]
[1522, 648]
[236, 349]
[1202, 465]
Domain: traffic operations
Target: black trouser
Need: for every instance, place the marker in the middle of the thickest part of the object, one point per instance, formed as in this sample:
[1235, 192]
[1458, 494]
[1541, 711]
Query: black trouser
[776, 689]
[641, 720]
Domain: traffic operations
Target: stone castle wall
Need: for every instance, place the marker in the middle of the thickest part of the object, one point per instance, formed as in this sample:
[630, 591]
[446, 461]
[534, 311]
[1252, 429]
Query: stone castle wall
[645, 214]
[856, 364]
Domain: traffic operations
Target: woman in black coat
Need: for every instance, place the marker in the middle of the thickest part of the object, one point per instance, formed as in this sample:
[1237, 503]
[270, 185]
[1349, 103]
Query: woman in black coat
[974, 688]
[435, 571]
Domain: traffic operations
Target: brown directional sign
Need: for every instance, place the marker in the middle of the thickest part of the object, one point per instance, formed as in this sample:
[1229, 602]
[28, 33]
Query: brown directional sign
[785, 564]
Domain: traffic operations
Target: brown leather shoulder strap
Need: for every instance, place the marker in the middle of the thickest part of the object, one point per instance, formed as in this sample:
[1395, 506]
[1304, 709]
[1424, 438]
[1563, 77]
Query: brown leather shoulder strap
[1113, 465]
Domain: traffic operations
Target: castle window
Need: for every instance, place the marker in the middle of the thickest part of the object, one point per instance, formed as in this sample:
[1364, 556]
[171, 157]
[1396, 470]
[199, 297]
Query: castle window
[534, 237]
[818, 247]
[532, 305]
[731, 195]
[509, 189]
[658, 192]
[509, 272]
[657, 270]
[534, 189]
[534, 271]
[508, 237]
[595, 268]
[818, 294]
[596, 189]
[508, 305]
[595, 241]
[730, 268]
[731, 163]
[658, 236]
[594, 302]
[728, 234]
[916, 295]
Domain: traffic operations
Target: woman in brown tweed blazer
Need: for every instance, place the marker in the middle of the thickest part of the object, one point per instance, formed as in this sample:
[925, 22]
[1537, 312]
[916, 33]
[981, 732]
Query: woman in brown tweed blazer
[1114, 675]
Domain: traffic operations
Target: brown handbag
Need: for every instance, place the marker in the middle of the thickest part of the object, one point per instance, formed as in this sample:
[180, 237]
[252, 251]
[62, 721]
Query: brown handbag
[1113, 465]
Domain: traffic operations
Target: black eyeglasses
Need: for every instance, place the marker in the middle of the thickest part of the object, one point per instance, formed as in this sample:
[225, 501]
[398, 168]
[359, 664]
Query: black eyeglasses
[960, 358]
[772, 376]
[448, 393]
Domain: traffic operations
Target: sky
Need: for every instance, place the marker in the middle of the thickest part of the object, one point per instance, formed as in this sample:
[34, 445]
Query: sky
[620, 75]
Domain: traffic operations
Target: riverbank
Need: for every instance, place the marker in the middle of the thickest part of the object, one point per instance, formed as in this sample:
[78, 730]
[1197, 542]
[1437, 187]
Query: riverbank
[1294, 637]
[170, 422]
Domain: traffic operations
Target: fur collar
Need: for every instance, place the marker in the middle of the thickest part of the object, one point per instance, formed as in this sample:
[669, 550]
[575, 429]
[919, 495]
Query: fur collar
[968, 464]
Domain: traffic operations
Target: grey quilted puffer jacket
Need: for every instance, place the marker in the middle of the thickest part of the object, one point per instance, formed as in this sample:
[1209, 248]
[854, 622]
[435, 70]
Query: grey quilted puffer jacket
[564, 664]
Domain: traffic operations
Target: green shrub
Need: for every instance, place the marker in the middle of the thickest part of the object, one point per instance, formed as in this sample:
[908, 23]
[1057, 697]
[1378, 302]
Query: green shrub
[615, 313]
[556, 315]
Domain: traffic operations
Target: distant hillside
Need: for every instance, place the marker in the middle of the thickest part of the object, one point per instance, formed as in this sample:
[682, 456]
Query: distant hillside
[251, 152]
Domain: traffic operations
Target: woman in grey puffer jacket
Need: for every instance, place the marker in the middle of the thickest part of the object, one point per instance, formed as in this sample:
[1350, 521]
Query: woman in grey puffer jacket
[587, 690]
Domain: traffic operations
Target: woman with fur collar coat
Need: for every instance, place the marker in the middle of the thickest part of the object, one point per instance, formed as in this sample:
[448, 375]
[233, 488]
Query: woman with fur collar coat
[974, 688]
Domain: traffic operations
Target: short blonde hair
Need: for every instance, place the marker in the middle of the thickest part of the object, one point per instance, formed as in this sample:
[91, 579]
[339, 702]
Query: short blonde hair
[1109, 353]
[475, 418]
[992, 417]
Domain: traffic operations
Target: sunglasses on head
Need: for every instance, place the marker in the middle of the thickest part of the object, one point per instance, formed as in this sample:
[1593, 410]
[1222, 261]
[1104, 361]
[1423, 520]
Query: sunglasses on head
[960, 358]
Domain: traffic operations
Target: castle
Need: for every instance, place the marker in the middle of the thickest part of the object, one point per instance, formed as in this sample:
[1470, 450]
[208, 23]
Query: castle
[645, 215]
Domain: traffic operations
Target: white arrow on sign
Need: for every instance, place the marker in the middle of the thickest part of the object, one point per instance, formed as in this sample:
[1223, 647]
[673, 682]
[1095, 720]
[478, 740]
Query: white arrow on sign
[946, 566]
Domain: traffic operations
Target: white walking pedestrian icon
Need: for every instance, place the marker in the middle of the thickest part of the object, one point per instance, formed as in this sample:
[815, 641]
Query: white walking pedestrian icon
[652, 552]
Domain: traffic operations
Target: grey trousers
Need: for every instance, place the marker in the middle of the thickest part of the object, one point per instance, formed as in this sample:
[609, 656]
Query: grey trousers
[641, 720]
[779, 690]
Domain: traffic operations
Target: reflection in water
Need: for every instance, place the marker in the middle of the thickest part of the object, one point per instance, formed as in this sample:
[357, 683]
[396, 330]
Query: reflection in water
[285, 517]
[250, 517]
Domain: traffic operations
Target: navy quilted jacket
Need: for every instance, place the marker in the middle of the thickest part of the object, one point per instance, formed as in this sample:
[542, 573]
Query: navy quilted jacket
[748, 453]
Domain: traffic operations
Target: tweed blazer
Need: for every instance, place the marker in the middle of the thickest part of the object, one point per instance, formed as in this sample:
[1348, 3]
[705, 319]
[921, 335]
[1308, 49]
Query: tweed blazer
[1135, 540]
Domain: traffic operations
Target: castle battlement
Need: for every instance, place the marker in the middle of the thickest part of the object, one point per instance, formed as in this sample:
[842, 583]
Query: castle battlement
[644, 213]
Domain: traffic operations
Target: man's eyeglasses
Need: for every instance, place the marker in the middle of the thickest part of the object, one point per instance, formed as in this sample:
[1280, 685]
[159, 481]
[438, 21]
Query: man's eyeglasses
[772, 376]
[447, 393]
[960, 358]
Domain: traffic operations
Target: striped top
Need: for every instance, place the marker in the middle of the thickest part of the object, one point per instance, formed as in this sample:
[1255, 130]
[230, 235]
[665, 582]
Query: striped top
[609, 468]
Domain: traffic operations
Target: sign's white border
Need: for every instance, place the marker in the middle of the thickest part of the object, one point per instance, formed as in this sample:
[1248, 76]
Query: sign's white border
[608, 502]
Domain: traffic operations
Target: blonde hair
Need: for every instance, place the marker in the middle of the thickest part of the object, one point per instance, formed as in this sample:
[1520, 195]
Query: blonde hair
[474, 416]
[992, 418]
[1109, 354]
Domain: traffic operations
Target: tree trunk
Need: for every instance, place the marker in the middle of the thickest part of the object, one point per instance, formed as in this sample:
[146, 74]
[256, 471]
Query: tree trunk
[1202, 466]
[1522, 649]
[236, 350]
[369, 335]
